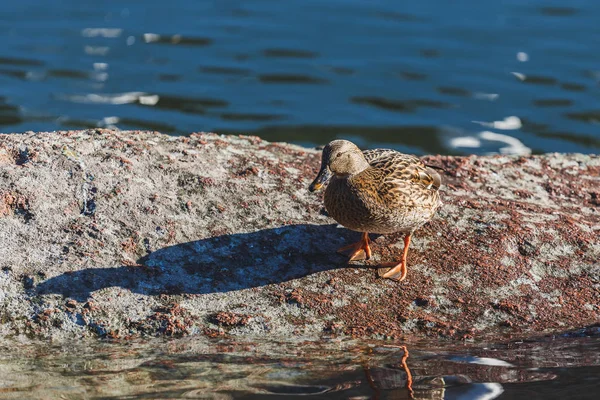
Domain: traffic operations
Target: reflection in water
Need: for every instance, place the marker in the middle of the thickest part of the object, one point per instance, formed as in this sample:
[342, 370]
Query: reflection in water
[396, 381]
[328, 369]
[382, 380]
[365, 71]
[409, 379]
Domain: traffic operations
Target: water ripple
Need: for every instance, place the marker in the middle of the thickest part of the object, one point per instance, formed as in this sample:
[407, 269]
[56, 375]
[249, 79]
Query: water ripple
[189, 104]
[289, 53]
[552, 102]
[291, 79]
[26, 62]
[399, 105]
[225, 70]
[591, 116]
[558, 11]
[9, 114]
[199, 41]
[250, 117]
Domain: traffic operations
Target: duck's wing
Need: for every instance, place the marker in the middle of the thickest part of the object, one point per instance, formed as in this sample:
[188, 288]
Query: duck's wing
[402, 179]
[403, 168]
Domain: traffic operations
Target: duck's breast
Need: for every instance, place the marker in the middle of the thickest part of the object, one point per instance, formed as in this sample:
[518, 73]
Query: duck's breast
[347, 206]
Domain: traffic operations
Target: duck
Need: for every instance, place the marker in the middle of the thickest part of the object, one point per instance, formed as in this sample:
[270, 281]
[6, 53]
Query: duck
[378, 191]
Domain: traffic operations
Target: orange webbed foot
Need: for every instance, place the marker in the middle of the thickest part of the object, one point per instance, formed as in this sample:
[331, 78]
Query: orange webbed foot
[396, 271]
[360, 250]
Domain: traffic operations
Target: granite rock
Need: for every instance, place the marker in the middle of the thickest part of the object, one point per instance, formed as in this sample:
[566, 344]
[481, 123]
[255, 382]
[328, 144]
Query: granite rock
[129, 233]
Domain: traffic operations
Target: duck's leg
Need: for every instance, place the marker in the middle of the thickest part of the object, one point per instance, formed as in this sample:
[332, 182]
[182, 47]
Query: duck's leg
[358, 248]
[398, 271]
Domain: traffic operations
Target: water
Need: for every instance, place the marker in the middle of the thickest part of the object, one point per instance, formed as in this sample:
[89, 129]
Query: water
[328, 369]
[424, 77]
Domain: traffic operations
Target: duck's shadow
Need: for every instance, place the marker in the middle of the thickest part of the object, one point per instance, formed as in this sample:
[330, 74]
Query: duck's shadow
[217, 264]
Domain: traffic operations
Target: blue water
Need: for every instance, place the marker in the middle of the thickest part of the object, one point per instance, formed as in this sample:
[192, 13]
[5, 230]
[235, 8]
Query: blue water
[450, 77]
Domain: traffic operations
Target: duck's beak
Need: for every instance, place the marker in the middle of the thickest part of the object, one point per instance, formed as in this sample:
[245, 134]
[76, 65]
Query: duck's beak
[321, 179]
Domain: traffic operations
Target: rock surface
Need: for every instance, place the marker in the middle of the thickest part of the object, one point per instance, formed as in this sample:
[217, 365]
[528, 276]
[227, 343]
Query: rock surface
[122, 234]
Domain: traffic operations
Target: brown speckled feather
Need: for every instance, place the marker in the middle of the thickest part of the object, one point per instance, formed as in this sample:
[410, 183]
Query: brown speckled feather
[404, 180]
[397, 192]
[405, 167]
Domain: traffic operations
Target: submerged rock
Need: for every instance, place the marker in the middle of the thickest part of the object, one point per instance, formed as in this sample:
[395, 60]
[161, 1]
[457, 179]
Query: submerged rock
[122, 234]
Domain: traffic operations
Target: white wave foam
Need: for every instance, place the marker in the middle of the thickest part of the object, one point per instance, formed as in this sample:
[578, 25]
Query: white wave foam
[102, 32]
[515, 146]
[508, 123]
[95, 98]
[465, 141]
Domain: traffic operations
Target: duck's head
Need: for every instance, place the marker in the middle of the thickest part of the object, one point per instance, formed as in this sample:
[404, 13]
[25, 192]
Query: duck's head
[340, 158]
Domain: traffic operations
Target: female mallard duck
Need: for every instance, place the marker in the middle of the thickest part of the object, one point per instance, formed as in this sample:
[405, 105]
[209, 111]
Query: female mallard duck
[377, 191]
